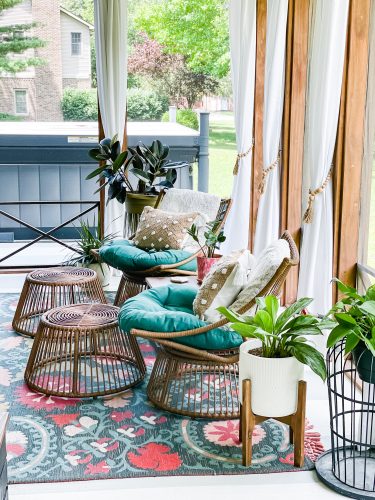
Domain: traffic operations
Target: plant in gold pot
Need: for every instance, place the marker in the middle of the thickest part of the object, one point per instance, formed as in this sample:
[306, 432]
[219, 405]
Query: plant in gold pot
[149, 166]
[209, 243]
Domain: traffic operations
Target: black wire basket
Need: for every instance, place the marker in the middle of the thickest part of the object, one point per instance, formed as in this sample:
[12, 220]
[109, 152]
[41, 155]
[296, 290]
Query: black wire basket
[349, 467]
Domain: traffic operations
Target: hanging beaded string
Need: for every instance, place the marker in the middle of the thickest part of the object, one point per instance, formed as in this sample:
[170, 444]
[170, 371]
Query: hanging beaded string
[240, 156]
[266, 171]
[309, 214]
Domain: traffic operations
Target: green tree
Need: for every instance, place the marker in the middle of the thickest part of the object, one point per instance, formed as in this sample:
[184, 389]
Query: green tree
[15, 40]
[197, 30]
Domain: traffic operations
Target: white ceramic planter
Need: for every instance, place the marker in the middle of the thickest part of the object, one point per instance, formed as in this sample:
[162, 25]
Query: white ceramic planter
[274, 381]
[104, 273]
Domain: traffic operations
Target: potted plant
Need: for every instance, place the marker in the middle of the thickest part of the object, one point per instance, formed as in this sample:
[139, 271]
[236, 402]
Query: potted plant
[355, 325]
[90, 240]
[150, 167]
[212, 239]
[274, 360]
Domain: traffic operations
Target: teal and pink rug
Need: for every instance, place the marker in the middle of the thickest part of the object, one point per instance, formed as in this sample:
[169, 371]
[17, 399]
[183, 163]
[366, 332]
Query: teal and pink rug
[125, 436]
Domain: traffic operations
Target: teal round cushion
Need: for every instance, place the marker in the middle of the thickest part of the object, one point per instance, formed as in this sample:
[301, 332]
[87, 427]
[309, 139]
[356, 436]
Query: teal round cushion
[124, 255]
[170, 309]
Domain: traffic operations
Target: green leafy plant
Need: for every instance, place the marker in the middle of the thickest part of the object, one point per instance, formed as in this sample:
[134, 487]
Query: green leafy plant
[355, 318]
[186, 117]
[149, 165]
[89, 239]
[282, 335]
[80, 105]
[145, 104]
[213, 237]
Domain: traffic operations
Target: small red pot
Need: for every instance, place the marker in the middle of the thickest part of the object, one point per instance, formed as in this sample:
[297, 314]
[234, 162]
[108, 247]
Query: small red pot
[204, 264]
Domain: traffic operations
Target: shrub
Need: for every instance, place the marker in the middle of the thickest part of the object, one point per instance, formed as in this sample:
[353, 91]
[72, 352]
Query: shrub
[146, 105]
[80, 105]
[186, 117]
[4, 117]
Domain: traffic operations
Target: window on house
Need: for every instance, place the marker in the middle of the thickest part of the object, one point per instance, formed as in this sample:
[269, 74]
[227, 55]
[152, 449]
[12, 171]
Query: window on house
[20, 101]
[76, 44]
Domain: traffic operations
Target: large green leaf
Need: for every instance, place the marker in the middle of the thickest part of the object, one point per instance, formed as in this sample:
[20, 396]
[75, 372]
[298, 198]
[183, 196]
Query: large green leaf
[141, 174]
[311, 357]
[351, 341]
[338, 333]
[230, 315]
[368, 307]
[264, 320]
[247, 331]
[345, 319]
[304, 320]
[290, 311]
[96, 172]
[117, 164]
[272, 306]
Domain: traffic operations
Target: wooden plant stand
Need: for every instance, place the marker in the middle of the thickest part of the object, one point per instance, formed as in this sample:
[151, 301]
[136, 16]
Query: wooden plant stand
[296, 422]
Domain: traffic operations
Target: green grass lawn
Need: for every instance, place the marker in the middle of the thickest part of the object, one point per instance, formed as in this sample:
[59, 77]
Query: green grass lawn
[222, 153]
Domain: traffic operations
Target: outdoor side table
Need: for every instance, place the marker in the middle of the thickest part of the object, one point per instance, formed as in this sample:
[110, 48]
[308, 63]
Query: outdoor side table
[79, 351]
[45, 289]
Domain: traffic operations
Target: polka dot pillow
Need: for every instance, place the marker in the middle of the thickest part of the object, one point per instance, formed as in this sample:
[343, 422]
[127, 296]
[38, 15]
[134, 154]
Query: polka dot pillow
[159, 230]
[222, 284]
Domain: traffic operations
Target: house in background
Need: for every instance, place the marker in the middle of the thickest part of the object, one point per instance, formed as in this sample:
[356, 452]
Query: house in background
[35, 94]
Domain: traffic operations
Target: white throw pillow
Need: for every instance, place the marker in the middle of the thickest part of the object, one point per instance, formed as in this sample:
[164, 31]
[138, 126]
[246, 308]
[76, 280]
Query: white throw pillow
[265, 268]
[222, 284]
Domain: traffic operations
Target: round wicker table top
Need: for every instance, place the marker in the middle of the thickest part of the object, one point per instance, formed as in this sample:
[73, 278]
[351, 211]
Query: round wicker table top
[81, 316]
[63, 276]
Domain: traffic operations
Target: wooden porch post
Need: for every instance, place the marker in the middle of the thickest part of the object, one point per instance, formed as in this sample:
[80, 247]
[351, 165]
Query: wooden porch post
[350, 144]
[294, 128]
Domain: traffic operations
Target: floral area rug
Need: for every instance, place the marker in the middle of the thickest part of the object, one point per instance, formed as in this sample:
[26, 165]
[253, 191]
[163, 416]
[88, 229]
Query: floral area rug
[124, 436]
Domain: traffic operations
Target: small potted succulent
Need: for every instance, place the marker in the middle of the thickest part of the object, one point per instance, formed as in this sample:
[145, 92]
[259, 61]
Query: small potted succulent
[90, 240]
[150, 167]
[212, 237]
[355, 325]
[275, 357]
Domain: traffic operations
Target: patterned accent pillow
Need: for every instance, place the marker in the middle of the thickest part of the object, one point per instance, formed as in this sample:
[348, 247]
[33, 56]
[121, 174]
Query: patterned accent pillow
[222, 284]
[159, 230]
[266, 267]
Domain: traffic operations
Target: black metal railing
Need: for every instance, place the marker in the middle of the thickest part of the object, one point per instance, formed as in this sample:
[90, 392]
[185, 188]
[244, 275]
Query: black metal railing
[94, 205]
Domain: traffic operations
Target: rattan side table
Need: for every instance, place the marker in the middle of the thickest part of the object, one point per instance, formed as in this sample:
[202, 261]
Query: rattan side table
[45, 289]
[79, 351]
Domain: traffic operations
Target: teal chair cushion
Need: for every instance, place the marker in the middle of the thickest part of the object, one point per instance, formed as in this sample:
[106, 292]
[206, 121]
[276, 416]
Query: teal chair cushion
[170, 309]
[124, 255]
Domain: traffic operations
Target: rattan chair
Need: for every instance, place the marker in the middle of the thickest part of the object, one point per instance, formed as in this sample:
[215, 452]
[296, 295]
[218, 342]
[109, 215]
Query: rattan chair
[134, 282]
[198, 383]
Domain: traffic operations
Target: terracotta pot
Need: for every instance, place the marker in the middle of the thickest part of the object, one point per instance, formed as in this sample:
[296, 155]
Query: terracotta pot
[274, 381]
[204, 264]
[135, 202]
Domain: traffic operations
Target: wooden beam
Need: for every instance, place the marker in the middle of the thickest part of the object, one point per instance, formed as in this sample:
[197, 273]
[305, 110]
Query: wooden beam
[293, 128]
[351, 142]
[256, 177]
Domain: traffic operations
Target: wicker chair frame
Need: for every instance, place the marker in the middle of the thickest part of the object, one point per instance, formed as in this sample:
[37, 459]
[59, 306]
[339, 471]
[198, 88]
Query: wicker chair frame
[181, 373]
[133, 283]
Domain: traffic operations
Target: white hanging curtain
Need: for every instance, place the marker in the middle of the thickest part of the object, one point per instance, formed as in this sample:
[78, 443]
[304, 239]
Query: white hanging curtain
[242, 27]
[268, 219]
[326, 60]
[111, 68]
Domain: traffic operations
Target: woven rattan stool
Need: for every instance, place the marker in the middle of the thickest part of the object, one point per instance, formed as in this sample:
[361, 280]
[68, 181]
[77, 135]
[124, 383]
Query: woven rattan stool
[80, 351]
[203, 388]
[45, 289]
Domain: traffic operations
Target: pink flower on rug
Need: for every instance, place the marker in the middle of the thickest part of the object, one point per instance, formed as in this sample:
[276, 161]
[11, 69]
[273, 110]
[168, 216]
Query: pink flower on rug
[223, 433]
[84, 424]
[77, 457]
[100, 468]
[119, 401]
[104, 446]
[63, 418]
[40, 401]
[16, 443]
[119, 416]
[288, 460]
[155, 456]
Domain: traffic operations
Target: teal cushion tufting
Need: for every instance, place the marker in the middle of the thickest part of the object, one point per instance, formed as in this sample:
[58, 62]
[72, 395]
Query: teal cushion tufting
[170, 309]
[123, 255]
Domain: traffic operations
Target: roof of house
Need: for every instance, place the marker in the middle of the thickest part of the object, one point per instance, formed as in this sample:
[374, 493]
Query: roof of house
[77, 18]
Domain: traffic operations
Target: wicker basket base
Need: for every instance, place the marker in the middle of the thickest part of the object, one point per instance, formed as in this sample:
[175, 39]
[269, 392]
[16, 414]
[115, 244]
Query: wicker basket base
[194, 388]
[129, 287]
[79, 351]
